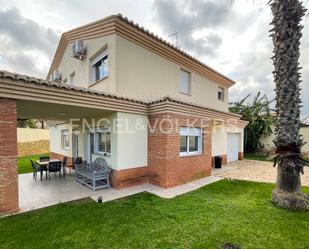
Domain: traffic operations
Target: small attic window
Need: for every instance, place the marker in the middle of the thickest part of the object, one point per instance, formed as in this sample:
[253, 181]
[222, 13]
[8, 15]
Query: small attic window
[221, 93]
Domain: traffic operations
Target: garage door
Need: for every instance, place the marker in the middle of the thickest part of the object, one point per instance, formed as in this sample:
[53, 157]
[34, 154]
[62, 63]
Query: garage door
[233, 140]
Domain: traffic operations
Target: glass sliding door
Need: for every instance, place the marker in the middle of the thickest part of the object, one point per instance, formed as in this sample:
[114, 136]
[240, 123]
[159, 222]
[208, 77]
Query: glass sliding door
[89, 146]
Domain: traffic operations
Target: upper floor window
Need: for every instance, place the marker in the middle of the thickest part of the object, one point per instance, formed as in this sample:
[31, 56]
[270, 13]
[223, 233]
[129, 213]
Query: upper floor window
[99, 66]
[221, 93]
[185, 82]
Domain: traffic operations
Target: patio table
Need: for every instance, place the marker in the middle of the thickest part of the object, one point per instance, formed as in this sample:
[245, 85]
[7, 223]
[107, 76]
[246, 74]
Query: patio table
[44, 165]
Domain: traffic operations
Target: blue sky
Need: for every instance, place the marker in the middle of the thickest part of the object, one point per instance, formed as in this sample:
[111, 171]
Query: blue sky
[232, 39]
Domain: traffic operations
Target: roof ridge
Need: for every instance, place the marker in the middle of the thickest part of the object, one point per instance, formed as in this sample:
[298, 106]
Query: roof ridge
[92, 23]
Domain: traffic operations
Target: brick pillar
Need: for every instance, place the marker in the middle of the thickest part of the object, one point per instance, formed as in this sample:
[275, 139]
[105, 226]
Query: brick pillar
[8, 157]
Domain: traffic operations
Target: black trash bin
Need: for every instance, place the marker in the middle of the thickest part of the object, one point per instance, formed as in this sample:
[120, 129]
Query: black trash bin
[218, 162]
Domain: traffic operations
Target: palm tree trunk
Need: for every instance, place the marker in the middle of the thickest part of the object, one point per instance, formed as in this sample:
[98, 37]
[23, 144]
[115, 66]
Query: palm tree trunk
[286, 34]
[288, 179]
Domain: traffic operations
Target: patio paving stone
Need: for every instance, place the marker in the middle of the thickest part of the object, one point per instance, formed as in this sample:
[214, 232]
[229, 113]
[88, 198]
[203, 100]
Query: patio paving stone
[38, 194]
[258, 171]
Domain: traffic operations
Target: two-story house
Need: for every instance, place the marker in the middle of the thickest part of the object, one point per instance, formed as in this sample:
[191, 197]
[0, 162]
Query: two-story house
[117, 91]
[187, 121]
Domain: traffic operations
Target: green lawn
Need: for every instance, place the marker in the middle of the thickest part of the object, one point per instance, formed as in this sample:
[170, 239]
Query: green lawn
[238, 212]
[24, 165]
[259, 157]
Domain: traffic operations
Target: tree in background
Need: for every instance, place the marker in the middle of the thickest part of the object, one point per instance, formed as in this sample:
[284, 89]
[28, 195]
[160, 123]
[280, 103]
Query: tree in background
[286, 34]
[42, 123]
[259, 115]
[24, 123]
[31, 123]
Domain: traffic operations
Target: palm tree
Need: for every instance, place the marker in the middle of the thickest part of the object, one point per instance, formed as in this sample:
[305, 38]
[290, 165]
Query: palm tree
[260, 117]
[286, 35]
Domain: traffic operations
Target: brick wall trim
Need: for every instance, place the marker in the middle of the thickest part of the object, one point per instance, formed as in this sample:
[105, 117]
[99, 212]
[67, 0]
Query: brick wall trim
[8, 157]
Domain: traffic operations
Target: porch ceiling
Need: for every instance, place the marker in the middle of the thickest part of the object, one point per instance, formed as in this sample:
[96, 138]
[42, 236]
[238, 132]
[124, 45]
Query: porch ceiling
[49, 111]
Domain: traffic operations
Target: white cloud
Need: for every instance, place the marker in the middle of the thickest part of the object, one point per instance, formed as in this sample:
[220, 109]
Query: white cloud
[245, 47]
[232, 39]
[26, 47]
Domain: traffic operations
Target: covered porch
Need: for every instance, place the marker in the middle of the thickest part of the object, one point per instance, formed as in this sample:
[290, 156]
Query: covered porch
[30, 98]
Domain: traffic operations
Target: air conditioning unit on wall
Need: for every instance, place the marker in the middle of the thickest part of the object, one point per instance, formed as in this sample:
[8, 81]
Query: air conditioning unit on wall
[56, 76]
[79, 50]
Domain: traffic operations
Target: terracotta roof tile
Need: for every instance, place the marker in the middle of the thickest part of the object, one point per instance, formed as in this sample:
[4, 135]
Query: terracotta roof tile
[175, 100]
[38, 81]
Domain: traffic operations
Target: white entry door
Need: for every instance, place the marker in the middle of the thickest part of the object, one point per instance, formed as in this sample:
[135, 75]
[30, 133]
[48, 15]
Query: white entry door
[233, 140]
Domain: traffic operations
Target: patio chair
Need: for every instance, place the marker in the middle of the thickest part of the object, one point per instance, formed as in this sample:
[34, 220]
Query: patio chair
[64, 165]
[54, 167]
[95, 175]
[36, 168]
[44, 158]
[76, 161]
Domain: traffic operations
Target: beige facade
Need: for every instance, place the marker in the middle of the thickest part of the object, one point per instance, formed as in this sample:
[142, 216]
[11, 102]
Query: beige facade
[220, 138]
[81, 68]
[147, 75]
[136, 72]
[128, 143]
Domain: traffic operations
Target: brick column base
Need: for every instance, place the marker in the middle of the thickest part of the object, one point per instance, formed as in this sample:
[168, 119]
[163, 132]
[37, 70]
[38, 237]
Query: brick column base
[54, 155]
[129, 177]
[8, 157]
[240, 156]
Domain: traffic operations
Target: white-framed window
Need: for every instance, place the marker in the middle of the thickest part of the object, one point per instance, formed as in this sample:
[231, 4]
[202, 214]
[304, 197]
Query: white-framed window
[221, 93]
[72, 79]
[185, 82]
[103, 142]
[65, 139]
[99, 66]
[190, 141]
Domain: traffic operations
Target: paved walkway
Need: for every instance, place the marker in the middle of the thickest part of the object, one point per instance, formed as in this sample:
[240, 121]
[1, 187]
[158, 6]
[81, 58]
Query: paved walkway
[258, 171]
[38, 194]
